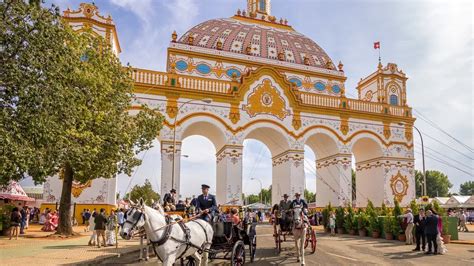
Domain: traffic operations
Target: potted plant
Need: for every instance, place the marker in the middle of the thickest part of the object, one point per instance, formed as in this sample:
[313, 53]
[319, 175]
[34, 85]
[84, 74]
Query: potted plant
[362, 222]
[340, 220]
[387, 227]
[348, 224]
[374, 225]
[355, 223]
[326, 212]
[445, 234]
[396, 228]
[5, 214]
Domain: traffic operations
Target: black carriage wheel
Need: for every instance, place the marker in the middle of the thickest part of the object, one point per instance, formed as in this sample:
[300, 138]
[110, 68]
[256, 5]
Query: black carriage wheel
[313, 241]
[238, 254]
[253, 248]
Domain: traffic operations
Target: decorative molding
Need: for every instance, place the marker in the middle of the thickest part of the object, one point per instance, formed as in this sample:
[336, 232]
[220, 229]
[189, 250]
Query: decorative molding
[399, 184]
[233, 152]
[293, 156]
[265, 99]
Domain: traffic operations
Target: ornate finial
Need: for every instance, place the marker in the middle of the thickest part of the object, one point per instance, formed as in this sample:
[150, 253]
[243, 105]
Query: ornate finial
[239, 12]
[281, 21]
[380, 65]
[263, 17]
[272, 19]
[340, 66]
[174, 36]
[190, 39]
[286, 22]
[244, 13]
[248, 50]
[306, 60]
[281, 56]
[329, 65]
[219, 45]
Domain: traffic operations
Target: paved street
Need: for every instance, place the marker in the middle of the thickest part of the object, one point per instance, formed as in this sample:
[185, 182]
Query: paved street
[345, 250]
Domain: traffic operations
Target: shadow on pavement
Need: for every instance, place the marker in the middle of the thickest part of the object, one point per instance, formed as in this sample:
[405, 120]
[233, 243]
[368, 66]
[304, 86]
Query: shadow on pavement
[64, 247]
[405, 255]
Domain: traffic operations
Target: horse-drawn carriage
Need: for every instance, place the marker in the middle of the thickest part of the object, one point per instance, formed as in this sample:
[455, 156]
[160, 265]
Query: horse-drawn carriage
[229, 241]
[293, 224]
[174, 239]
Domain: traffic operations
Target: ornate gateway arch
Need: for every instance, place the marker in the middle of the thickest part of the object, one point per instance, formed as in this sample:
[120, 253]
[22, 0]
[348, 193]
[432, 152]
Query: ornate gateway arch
[270, 83]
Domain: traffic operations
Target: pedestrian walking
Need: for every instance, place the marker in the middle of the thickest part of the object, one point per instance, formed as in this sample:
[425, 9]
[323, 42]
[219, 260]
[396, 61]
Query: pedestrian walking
[23, 220]
[409, 230]
[420, 237]
[120, 217]
[100, 226]
[93, 237]
[15, 220]
[462, 222]
[431, 231]
[111, 227]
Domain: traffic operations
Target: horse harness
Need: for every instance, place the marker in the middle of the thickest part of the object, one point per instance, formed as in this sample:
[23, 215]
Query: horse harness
[187, 237]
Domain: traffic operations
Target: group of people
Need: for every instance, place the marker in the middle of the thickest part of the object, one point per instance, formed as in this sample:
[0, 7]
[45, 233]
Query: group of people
[51, 220]
[103, 226]
[281, 212]
[428, 229]
[20, 218]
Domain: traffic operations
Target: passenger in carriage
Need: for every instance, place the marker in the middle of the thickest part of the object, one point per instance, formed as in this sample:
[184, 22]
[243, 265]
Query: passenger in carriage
[285, 205]
[206, 204]
[169, 200]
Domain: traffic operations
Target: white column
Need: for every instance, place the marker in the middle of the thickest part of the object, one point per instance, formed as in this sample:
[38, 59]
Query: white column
[370, 182]
[288, 174]
[229, 175]
[399, 178]
[167, 165]
[334, 180]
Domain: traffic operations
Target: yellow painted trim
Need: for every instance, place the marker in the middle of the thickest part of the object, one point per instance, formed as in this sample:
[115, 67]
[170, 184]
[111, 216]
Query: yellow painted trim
[263, 22]
[250, 63]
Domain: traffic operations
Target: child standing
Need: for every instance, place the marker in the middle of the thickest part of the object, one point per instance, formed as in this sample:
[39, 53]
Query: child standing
[332, 223]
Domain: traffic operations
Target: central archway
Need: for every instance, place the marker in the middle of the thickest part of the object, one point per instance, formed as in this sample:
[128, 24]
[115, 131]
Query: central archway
[287, 161]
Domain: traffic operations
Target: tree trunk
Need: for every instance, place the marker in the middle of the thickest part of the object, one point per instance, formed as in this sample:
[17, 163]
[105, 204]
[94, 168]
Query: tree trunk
[65, 226]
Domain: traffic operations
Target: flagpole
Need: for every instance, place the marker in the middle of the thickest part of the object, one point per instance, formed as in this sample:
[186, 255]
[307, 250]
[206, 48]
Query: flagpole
[380, 60]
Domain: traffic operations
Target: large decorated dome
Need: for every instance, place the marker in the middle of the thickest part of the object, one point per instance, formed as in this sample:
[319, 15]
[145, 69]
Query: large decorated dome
[258, 36]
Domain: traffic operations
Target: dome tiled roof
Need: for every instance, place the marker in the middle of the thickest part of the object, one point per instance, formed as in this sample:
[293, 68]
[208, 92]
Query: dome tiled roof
[257, 39]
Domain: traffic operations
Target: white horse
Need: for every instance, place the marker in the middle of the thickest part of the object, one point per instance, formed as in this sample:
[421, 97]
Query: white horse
[170, 239]
[299, 232]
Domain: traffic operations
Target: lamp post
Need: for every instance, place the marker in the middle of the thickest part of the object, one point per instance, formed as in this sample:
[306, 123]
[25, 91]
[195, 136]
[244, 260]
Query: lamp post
[422, 157]
[261, 187]
[205, 100]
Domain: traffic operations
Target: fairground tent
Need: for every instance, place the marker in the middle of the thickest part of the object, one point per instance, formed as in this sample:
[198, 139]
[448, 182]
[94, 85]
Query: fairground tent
[14, 192]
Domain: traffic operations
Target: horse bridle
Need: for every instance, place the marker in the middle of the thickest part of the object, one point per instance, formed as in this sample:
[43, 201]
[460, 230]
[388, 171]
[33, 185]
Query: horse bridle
[134, 224]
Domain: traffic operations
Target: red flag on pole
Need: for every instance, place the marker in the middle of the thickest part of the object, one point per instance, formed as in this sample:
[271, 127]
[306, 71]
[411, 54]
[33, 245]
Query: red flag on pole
[376, 45]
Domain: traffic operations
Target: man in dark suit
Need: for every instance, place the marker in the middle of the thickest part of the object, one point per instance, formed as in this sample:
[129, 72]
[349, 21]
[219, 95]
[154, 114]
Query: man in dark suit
[206, 204]
[431, 231]
[420, 237]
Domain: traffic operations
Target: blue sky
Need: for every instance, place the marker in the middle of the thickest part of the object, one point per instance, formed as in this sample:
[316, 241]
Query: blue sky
[432, 41]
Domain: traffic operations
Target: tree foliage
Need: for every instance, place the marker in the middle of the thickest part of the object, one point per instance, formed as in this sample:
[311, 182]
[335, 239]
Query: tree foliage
[309, 196]
[437, 183]
[467, 188]
[64, 101]
[145, 192]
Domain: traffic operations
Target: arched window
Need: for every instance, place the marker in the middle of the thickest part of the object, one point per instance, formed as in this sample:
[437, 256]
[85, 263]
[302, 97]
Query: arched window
[393, 99]
[261, 6]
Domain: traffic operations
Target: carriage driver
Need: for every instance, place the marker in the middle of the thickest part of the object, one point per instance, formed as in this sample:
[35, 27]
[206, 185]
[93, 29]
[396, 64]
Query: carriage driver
[206, 204]
[301, 202]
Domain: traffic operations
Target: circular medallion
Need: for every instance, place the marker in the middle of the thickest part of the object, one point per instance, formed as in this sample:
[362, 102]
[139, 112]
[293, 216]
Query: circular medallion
[267, 99]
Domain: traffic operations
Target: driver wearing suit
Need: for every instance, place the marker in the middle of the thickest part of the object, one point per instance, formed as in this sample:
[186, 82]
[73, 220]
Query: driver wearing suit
[206, 204]
[298, 201]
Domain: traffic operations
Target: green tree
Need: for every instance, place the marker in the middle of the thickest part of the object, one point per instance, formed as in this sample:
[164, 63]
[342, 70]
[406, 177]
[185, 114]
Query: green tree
[64, 101]
[266, 194]
[467, 188]
[145, 192]
[437, 183]
[309, 196]
[253, 198]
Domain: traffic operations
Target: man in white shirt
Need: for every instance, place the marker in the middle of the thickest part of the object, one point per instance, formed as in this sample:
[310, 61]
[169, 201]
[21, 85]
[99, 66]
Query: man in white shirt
[409, 230]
